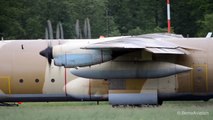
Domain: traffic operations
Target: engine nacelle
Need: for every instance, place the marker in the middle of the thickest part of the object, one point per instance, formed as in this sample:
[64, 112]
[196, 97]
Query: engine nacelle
[82, 58]
[145, 98]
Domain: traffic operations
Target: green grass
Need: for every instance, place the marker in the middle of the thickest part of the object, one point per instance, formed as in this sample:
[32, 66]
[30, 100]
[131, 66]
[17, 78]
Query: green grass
[91, 111]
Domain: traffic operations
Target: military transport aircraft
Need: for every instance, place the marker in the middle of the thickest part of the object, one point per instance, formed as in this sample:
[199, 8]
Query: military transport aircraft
[125, 70]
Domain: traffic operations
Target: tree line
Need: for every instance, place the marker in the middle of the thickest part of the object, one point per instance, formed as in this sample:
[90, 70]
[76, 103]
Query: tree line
[27, 19]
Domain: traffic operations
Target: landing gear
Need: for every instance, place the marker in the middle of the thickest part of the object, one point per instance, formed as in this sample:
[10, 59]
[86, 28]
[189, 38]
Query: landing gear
[9, 105]
[160, 102]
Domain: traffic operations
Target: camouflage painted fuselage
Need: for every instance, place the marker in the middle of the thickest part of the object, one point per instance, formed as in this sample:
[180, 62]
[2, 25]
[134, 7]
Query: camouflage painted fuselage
[26, 76]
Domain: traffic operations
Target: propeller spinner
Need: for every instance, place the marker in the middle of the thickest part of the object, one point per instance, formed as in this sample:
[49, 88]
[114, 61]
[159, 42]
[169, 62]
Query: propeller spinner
[47, 53]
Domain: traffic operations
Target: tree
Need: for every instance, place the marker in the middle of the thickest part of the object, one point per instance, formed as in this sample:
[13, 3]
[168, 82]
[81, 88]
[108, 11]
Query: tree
[136, 15]
[26, 19]
[206, 25]
[185, 22]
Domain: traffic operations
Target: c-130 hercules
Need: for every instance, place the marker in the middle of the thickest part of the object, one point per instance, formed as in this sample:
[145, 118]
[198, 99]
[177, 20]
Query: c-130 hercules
[126, 70]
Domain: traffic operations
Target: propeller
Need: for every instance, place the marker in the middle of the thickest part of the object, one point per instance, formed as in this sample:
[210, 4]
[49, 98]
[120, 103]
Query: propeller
[47, 52]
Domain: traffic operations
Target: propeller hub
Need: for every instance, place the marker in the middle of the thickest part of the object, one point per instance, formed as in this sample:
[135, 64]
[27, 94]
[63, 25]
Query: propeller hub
[47, 53]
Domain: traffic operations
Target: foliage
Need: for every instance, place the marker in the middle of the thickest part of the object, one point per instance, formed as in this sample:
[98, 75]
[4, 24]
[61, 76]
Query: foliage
[206, 25]
[135, 31]
[161, 30]
[26, 19]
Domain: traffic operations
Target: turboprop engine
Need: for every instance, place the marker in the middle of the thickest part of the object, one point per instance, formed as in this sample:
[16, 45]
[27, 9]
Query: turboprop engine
[69, 57]
[82, 58]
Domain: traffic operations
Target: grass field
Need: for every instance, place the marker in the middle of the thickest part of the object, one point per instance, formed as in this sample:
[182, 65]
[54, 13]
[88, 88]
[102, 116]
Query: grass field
[194, 110]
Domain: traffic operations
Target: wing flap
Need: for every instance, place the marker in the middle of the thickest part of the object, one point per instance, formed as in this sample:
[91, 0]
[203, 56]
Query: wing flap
[164, 51]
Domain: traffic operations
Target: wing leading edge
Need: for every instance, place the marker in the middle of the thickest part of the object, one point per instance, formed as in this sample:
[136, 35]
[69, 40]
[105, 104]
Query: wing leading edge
[152, 45]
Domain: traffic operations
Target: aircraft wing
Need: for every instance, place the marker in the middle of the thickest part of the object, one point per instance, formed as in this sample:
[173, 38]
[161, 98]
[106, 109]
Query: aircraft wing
[92, 60]
[133, 69]
[155, 46]
[100, 52]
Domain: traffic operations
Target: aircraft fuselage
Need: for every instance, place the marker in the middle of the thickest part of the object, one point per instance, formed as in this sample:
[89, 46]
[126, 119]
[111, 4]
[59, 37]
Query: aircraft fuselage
[25, 75]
